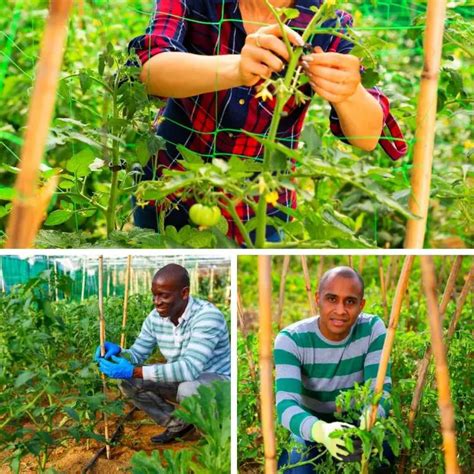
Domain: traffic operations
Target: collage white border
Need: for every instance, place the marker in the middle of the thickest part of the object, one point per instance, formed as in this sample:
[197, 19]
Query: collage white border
[234, 254]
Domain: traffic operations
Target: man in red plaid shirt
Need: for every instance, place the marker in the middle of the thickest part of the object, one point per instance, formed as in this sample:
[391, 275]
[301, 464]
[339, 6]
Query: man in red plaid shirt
[206, 56]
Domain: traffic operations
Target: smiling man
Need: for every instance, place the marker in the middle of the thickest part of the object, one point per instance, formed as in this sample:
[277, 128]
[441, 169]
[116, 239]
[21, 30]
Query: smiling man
[319, 357]
[192, 336]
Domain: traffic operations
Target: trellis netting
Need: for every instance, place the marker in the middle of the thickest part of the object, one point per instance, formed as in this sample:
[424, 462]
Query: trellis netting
[86, 135]
[76, 277]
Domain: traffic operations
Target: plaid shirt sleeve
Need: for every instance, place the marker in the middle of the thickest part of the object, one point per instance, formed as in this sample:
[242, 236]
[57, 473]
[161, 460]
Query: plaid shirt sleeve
[391, 139]
[165, 32]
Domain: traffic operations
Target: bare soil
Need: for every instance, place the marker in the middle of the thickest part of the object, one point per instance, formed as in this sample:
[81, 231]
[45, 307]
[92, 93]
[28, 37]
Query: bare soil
[72, 459]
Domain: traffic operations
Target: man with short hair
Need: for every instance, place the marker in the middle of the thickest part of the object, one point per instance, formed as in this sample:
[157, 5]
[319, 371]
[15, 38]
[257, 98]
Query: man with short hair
[190, 333]
[319, 357]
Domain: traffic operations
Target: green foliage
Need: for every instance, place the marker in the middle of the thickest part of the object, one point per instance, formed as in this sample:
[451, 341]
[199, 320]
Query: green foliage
[411, 341]
[208, 410]
[346, 198]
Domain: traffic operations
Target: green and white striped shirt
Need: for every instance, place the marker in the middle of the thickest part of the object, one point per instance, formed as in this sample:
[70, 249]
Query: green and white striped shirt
[311, 370]
[198, 344]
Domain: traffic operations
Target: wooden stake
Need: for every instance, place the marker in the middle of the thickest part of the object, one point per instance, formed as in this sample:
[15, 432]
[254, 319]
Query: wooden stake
[361, 263]
[424, 363]
[29, 203]
[307, 279]
[56, 277]
[320, 267]
[266, 361]
[102, 346]
[281, 297]
[442, 374]
[83, 287]
[350, 261]
[392, 327]
[466, 289]
[211, 285]
[425, 124]
[382, 288]
[243, 330]
[125, 301]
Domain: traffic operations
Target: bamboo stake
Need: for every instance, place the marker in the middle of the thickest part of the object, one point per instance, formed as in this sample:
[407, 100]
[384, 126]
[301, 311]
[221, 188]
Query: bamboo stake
[392, 327]
[442, 373]
[281, 296]
[114, 280]
[211, 285]
[402, 286]
[56, 291]
[424, 363]
[266, 362]
[361, 263]
[389, 272]
[350, 261]
[125, 301]
[382, 288]
[243, 330]
[394, 272]
[83, 286]
[41, 206]
[307, 279]
[108, 281]
[28, 203]
[459, 305]
[102, 346]
[320, 267]
[425, 124]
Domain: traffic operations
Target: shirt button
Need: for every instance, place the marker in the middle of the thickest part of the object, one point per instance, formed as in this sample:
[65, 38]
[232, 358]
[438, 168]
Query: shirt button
[241, 101]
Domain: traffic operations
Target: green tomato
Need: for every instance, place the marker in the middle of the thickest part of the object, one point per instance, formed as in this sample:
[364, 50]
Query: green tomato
[204, 216]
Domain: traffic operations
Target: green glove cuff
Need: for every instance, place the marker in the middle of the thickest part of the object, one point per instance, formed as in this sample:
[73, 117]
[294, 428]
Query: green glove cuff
[318, 431]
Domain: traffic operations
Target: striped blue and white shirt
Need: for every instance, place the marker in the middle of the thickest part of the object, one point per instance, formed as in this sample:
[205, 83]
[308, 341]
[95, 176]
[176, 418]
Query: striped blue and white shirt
[198, 344]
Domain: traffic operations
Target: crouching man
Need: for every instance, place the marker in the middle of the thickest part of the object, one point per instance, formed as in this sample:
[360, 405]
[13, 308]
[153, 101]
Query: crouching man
[192, 336]
[318, 358]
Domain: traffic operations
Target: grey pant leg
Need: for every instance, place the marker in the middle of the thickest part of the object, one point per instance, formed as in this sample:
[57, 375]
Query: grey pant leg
[151, 397]
[186, 389]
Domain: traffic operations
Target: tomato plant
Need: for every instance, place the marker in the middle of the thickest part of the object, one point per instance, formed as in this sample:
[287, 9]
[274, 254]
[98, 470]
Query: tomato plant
[103, 135]
[412, 338]
[50, 389]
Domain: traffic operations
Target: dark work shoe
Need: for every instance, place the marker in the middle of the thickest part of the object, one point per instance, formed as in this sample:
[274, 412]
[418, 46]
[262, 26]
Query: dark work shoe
[168, 436]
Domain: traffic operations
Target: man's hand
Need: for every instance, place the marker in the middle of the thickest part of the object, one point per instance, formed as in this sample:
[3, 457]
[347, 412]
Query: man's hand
[321, 434]
[264, 53]
[111, 349]
[333, 76]
[120, 368]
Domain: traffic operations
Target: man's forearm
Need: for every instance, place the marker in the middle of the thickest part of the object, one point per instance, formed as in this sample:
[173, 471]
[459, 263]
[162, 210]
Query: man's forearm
[178, 75]
[138, 373]
[361, 119]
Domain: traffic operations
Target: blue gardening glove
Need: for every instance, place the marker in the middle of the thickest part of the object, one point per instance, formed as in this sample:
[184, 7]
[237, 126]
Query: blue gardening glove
[111, 349]
[120, 368]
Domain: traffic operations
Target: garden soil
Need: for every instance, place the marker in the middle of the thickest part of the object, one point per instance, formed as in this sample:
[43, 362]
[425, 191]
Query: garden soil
[73, 458]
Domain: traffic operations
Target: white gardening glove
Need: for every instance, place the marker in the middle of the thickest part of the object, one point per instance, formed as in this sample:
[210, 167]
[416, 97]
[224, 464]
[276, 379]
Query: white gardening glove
[364, 418]
[336, 446]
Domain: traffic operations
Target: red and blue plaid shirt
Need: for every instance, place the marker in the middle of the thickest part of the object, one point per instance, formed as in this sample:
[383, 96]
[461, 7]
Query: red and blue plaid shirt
[212, 124]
